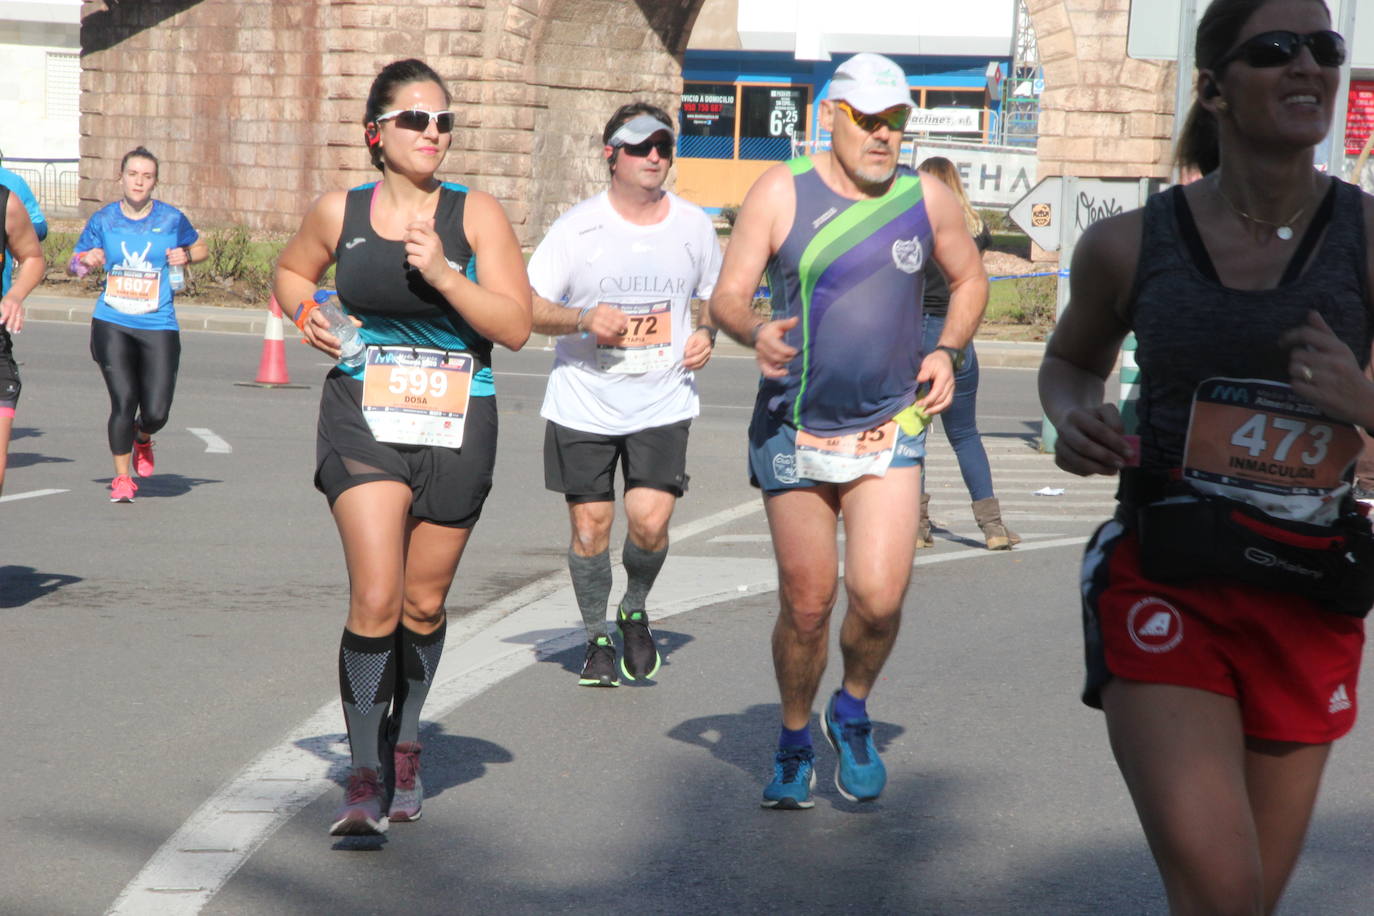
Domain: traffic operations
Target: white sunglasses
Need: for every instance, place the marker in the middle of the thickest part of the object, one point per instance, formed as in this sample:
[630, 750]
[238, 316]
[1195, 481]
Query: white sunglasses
[418, 119]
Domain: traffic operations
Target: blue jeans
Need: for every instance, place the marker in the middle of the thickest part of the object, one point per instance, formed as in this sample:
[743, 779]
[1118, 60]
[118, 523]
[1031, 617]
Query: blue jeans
[960, 420]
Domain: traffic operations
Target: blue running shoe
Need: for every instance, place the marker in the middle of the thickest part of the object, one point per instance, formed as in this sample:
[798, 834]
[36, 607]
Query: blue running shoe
[859, 772]
[794, 773]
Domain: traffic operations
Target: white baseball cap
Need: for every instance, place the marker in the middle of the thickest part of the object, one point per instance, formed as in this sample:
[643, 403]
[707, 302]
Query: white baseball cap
[870, 83]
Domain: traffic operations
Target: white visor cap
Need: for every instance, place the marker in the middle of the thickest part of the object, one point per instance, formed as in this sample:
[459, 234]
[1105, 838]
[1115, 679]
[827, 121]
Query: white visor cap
[638, 129]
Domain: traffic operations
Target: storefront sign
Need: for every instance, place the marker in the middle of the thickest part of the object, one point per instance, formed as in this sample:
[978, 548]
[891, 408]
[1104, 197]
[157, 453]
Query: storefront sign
[708, 110]
[773, 111]
[993, 176]
[1359, 115]
[946, 121]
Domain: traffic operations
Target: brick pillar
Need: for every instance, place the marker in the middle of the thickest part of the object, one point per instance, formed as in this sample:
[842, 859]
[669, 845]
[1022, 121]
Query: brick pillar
[1102, 114]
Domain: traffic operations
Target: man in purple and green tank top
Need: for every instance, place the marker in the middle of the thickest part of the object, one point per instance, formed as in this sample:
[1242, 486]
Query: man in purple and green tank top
[839, 422]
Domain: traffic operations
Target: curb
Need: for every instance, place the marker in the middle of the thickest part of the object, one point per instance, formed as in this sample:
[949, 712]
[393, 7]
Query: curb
[992, 354]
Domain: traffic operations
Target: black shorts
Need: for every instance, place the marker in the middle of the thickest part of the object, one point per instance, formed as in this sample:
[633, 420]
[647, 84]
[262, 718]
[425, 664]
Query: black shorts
[582, 465]
[9, 374]
[448, 485]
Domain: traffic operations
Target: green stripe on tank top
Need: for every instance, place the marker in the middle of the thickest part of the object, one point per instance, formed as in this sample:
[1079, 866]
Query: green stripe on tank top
[839, 236]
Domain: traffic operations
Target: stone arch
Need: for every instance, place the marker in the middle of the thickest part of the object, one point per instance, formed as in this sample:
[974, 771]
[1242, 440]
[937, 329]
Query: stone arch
[1102, 114]
[253, 106]
[590, 57]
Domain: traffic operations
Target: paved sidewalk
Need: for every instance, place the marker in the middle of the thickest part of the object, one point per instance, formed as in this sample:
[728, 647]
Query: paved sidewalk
[227, 319]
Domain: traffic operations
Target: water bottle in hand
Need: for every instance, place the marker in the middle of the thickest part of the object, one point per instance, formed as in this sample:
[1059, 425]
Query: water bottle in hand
[352, 351]
[176, 277]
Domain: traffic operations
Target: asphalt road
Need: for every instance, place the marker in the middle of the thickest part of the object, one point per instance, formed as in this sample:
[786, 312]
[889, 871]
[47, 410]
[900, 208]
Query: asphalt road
[173, 732]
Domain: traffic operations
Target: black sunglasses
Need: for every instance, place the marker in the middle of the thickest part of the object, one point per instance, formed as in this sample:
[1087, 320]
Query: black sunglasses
[417, 119]
[640, 150]
[1275, 49]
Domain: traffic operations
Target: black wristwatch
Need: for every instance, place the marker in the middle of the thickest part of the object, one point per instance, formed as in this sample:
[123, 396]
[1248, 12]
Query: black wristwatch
[956, 357]
[710, 332]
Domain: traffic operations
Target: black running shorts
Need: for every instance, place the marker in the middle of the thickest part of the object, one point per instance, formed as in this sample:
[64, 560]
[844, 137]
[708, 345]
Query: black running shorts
[582, 465]
[449, 485]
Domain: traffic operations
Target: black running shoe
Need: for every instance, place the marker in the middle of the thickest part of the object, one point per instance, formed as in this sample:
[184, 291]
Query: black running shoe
[640, 659]
[599, 668]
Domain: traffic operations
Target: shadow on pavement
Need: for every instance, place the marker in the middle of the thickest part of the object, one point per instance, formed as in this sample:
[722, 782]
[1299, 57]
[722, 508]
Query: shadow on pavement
[21, 584]
[736, 739]
[448, 760]
[29, 459]
[164, 485]
[668, 642]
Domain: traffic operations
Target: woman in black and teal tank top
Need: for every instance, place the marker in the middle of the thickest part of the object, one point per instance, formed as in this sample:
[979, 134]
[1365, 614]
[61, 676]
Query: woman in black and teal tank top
[432, 275]
[1224, 663]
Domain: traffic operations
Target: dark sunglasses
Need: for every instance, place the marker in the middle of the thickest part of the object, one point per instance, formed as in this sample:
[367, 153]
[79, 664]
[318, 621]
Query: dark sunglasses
[892, 118]
[1275, 49]
[418, 119]
[640, 150]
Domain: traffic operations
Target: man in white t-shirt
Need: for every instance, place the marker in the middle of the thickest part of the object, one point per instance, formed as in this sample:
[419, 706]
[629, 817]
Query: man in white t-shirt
[614, 279]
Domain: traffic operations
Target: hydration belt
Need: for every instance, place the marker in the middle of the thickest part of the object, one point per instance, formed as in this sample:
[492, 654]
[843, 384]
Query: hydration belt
[1187, 536]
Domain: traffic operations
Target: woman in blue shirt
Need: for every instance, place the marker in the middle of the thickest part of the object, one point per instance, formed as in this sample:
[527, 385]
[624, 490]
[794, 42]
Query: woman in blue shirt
[134, 335]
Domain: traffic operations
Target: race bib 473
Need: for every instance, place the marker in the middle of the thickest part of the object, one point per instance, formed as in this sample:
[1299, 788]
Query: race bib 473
[1256, 441]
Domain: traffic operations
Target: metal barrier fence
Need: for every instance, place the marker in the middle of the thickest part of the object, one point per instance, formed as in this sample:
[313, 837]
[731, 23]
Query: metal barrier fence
[54, 183]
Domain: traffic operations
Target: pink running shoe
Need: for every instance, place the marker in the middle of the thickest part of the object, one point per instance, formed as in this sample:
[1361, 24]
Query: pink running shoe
[409, 792]
[361, 812]
[122, 489]
[143, 458]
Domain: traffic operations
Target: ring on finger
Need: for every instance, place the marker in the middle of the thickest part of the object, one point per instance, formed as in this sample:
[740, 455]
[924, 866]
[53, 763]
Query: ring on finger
[1307, 373]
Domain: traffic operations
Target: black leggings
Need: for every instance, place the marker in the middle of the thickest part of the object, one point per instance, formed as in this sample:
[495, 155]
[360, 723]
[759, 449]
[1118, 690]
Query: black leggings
[140, 369]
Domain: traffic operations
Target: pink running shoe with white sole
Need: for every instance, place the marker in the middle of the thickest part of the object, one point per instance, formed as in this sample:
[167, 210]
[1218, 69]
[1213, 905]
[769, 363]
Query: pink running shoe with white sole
[143, 458]
[122, 489]
[361, 811]
[409, 793]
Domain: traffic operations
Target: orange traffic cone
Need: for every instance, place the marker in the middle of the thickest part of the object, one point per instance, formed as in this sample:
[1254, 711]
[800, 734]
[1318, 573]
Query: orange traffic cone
[272, 367]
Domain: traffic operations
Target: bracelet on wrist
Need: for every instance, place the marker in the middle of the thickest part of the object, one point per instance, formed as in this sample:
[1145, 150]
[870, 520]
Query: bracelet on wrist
[303, 310]
[710, 332]
[582, 317]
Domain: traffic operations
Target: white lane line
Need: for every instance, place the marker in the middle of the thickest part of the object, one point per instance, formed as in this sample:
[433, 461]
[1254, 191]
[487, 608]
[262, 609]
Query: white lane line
[214, 445]
[31, 494]
[1027, 543]
[973, 553]
[723, 517]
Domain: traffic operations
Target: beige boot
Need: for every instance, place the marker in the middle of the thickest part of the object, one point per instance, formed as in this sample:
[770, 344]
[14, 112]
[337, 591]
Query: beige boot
[988, 514]
[923, 538]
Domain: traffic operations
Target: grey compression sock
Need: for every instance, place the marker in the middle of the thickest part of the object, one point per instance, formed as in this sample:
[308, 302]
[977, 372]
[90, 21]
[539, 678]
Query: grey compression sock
[591, 579]
[367, 674]
[641, 569]
[418, 658]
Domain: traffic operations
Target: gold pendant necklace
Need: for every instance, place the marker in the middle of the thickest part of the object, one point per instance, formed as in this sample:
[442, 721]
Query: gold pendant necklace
[1284, 229]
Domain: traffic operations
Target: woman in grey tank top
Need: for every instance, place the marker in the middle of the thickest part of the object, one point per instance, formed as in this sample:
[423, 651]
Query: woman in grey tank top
[1222, 699]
